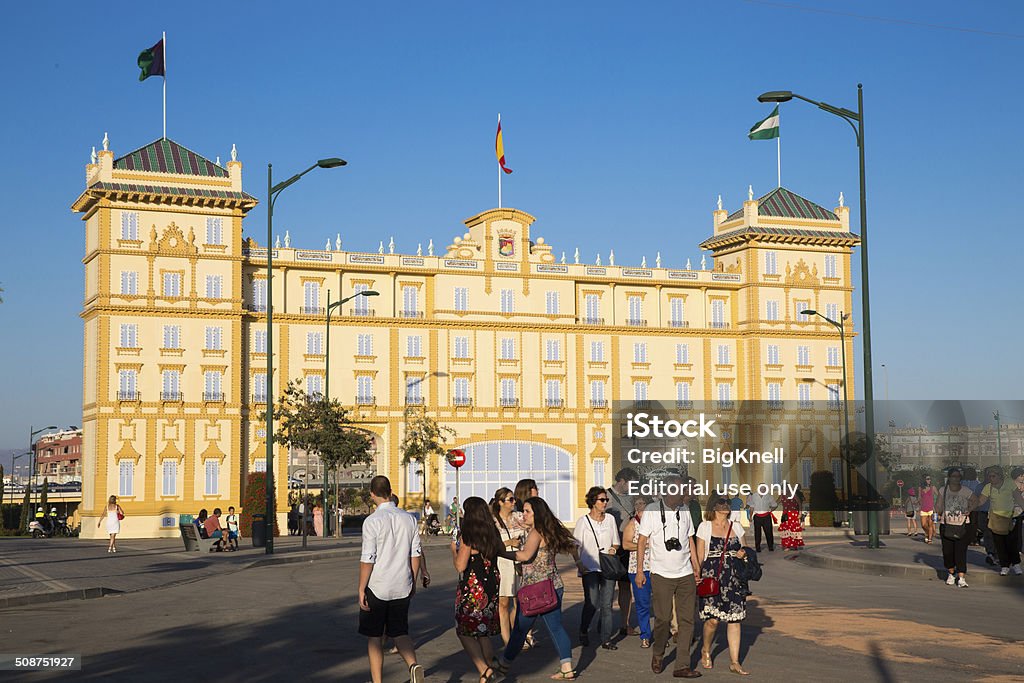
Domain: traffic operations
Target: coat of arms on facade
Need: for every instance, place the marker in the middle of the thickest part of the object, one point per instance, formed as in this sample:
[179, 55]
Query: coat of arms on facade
[506, 244]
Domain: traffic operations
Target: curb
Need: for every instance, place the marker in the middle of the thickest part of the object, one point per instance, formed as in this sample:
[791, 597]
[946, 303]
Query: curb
[40, 598]
[819, 558]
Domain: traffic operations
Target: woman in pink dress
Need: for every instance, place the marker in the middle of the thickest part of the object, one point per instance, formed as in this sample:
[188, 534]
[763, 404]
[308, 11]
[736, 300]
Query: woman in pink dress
[792, 530]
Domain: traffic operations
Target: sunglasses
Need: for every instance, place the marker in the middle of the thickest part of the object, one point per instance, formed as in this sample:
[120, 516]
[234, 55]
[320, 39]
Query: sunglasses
[510, 499]
[602, 500]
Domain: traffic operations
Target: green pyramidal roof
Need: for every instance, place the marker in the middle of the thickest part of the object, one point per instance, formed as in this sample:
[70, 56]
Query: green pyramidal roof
[783, 203]
[167, 156]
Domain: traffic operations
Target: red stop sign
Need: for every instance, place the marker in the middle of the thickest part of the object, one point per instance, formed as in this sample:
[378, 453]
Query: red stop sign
[456, 457]
[899, 482]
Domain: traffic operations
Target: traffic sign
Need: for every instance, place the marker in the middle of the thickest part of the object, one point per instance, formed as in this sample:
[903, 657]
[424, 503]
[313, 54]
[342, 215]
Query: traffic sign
[899, 482]
[456, 457]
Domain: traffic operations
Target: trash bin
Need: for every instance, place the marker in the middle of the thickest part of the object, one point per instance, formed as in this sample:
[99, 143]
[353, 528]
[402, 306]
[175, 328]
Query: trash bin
[860, 521]
[259, 531]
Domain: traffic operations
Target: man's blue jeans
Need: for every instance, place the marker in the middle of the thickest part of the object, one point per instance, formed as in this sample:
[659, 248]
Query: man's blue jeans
[552, 620]
[597, 599]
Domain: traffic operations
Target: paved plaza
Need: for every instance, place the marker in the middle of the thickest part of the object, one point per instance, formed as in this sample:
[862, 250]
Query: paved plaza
[238, 616]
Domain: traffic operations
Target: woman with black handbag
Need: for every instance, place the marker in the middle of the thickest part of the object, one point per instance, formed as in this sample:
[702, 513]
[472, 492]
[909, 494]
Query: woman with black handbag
[722, 591]
[598, 536]
[954, 504]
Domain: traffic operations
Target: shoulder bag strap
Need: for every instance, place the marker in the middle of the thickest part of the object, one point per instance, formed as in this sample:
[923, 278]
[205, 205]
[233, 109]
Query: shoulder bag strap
[725, 546]
[599, 548]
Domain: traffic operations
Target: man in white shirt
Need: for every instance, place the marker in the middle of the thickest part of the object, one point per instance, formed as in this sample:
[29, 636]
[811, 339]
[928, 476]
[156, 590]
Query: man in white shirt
[388, 563]
[761, 506]
[668, 529]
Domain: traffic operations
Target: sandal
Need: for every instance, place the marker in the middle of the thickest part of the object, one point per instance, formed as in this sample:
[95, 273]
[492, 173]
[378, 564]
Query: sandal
[705, 660]
[569, 675]
[737, 669]
[529, 642]
[645, 643]
[487, 676]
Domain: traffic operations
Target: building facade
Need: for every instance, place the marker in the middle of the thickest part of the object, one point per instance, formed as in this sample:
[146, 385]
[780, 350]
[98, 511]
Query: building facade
[497, 335]
[58, 456]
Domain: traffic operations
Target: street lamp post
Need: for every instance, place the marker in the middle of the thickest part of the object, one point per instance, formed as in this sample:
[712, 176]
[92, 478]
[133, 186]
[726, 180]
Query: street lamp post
[848, 488]
[327, 388]
[273, 191]
[32, 451]
[856, 121]
[999, 442]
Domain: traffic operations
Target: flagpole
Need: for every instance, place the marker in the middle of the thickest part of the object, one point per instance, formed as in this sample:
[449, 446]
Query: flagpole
[778, 157]
[499, 169]
[165, 83]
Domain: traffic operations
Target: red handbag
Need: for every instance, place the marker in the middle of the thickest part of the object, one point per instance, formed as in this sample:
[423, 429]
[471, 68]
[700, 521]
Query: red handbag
[120, 514]
[709, 586]
[537, 598]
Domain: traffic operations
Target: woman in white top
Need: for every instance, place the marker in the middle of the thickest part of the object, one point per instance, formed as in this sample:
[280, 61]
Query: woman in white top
[596, 533]
[641, 596]
[113, 519]
[720, 551]
[511, 530]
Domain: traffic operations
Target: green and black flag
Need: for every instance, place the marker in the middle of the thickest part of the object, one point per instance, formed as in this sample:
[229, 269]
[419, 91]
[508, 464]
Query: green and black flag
[151, 61]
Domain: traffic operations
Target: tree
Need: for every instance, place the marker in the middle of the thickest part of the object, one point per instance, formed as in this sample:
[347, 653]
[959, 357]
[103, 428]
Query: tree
[1, 493]
[26, 510]
[320, 426]
[423, 438]
[823, 498]
[42, 496]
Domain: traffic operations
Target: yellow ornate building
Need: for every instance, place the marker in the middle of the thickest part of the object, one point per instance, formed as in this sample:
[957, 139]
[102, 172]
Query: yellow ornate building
[496, 335]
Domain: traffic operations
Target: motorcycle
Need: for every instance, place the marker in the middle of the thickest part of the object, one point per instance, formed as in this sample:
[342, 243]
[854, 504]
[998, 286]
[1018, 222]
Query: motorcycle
[48, 528]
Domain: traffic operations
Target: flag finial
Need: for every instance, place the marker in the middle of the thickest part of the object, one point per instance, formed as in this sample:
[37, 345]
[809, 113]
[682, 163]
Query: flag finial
[234, 152]
[842, 200]
[92, 157]
[750, 193]
[106, 142]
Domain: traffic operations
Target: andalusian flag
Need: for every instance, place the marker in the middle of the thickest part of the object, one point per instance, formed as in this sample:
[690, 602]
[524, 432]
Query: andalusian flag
[499, 149]
[151, 61]
[767, 128]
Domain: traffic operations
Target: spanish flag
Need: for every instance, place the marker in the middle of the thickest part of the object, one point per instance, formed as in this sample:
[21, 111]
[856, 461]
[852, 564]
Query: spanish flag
[499, 149]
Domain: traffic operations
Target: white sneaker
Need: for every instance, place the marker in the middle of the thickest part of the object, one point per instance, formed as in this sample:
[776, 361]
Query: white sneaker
[962, 582]
[1016, 570]
[1005, 571]
[951, 580]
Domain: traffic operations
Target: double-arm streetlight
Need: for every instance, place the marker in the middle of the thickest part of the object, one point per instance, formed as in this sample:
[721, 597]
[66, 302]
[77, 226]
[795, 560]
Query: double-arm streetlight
[272, 193]
[856, 121]
[327, 397]
[838, 324]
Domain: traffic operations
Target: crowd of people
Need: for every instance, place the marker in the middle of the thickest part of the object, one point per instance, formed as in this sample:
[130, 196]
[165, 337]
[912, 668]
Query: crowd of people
[668, 561]
[966, 511]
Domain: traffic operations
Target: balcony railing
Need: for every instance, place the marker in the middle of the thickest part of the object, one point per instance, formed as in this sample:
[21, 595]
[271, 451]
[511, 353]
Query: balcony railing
[554, 402]
[410, 314]
[642, 404]
[774, 405]
[805, 405]
[213, 395]
[509, 402]
[364, 312]
[598, 403]
[128, 395]
[726, 405]
[413, 400]
[636, 322]
[678, 323]
[462, 401]
[719, 326]
[592, 321]
[256, 308]
[312, 310]
[684, 405]
[366, 400]
[170, 395]
[259, 398]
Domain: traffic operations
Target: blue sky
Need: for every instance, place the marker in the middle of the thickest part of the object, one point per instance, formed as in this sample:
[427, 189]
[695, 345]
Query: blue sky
[622, 123]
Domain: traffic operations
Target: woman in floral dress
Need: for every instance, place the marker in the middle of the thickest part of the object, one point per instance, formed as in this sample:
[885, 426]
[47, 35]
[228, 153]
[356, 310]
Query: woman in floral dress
[475, 554]
[792, 530]
[715, 535]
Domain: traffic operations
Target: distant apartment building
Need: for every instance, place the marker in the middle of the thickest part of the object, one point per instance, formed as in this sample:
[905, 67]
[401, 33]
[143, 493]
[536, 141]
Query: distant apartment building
[58, 456]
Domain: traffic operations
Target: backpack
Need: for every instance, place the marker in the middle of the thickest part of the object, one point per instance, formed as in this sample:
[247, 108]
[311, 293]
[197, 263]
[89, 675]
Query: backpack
[750, 570]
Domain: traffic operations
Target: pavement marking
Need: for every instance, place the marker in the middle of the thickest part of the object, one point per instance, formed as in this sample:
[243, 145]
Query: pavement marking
[52, 584]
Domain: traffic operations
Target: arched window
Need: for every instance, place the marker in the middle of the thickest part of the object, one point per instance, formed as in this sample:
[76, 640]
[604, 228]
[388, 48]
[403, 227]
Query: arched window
[494, 464]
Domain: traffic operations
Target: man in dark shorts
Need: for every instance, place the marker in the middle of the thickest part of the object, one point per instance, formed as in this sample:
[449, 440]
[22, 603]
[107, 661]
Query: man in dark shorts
[621, 508]
[388, 563]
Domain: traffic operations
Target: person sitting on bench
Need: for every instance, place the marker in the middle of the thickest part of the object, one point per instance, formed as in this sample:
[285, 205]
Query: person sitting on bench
[215, 530]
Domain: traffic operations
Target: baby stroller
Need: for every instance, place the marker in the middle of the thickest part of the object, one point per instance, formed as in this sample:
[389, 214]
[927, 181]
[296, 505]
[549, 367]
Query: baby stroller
[432, 526]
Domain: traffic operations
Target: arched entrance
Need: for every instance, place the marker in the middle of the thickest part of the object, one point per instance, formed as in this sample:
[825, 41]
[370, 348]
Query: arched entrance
[493, 464]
